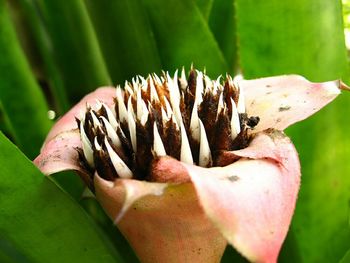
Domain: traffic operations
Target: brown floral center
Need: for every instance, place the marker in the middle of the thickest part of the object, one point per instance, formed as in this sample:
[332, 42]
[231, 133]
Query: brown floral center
[192, 120]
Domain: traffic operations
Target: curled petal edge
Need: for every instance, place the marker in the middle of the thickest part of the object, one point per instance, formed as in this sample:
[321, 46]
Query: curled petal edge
[283, 100]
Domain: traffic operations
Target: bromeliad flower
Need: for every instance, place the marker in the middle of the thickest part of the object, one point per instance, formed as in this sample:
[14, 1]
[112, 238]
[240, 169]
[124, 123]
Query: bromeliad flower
[184, 166]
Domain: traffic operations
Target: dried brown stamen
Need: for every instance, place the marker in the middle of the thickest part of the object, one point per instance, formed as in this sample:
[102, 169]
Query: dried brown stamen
[191, 120]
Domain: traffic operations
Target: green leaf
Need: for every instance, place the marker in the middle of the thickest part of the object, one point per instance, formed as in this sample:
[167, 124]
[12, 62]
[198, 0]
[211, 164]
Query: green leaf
[94, 209]
[125, 37]
[306, 37]
[346, 258]
[9, 253]
[291, 36]
[205, 7]
[22, 100]
[321, 218]
[183, 37]
[74, 46]
[30, 20]
[41, 220]
[223, 25]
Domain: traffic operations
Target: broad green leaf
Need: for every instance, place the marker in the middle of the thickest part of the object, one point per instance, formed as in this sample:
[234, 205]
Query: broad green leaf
[31, 22]
[306, 37]
[94, 209]
[223, 25]
[205, 7]
[125, 37]
[346, 258]
[9, 253]
[74, 46]
[183, 37]
[321, 218]
[291, 36]
[22, 100]
[43, 221]
[5, 125]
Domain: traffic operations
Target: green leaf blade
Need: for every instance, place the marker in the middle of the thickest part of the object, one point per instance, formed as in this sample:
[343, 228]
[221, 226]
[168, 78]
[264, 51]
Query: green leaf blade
[41, 220]
[183, 37]
[74, 46]
[23, 103]
[126, 38]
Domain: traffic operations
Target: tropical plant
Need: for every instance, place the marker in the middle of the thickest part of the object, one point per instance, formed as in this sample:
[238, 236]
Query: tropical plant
[52, 53]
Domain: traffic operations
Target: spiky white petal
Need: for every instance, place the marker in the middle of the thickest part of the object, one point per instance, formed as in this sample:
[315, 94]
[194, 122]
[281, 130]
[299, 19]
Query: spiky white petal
[168, 108]
[123, 113]
[121, 168]
[185, 154]
[144, 114]
[97, 145]
[165, 117]
[158, 146]
[87, 148]
[173, 120]
[194, 125]
[183, 80]
[111, 132]
[95, 120]
[199, 87]
[235, 123]
[153, 92]
[208, 83]
[172, 86]
[204, 149]
[128, 89]
[220, 105]
[157, 79]
[132, 125]
[111, 116]
[143, 83]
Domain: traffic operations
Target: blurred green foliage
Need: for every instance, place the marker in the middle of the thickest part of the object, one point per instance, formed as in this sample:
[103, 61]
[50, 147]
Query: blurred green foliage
[54, 52]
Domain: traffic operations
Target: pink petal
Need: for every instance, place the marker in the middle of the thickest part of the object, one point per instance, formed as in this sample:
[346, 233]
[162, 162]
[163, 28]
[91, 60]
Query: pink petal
[67, 122]
[252, 200]
[283, 100]
[60, 154]
[164, 222]
[59, 150]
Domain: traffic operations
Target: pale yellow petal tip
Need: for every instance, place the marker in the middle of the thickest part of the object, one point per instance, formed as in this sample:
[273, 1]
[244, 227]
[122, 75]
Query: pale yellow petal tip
[343, 86]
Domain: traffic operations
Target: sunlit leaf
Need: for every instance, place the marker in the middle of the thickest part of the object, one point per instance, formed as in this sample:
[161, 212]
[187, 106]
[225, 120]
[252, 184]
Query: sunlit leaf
[183, 37]
[31, 22]
[292, 36]
[223, 25]
[346, 258]
[41, 220]
[205, 7]
[74, 46]
[125, 37]
[22, 100]
[93, 208]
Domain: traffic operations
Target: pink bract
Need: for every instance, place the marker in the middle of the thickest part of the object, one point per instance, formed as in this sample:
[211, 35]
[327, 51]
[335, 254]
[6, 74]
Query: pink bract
[190, 213]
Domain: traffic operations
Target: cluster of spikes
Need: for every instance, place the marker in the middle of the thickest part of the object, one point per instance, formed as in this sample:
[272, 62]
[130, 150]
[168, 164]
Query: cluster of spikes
[191, 119]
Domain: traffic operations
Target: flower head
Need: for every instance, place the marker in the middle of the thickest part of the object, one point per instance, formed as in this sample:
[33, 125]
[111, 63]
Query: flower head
[199, 162]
